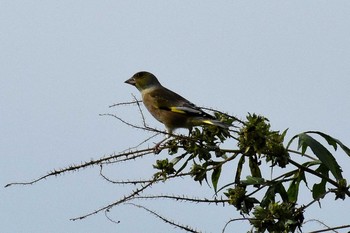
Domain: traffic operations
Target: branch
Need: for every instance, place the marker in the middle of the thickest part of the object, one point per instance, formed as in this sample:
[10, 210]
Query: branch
[331, 229]
[132, 125]
[268, 182]
[125, 103]
[233, 220]
[186, 228]
[134, 193]
[138, 153]
[133, 182]
[317, 174]
[315, 200]
[183, 198]
[305, 155]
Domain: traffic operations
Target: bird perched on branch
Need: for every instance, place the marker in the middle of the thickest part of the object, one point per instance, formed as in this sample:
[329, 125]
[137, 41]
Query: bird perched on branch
[169, 108]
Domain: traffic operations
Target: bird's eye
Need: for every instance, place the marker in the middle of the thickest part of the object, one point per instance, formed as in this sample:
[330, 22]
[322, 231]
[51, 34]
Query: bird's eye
[140, 75]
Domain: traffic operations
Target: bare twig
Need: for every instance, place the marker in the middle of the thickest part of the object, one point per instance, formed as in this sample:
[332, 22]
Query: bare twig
[135, 126]
[92, 162]
[305, 155]
[109, 218]
[125, 103]
[333, 229]
[183, 227]
[123, 200]
[187, 199]
[140, 110]
[233, 220]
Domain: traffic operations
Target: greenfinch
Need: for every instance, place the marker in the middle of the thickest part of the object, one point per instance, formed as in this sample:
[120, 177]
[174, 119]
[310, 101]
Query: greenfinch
[171, 109]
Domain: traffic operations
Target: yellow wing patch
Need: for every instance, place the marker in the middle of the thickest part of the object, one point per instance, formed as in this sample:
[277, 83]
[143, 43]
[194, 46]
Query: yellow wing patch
[174, 109]
[208, 122]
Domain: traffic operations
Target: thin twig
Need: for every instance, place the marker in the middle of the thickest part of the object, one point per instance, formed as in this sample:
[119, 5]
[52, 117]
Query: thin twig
[125, 103]
[183, 198]
[233, 220]
[305, 155]
[140, 110]
[85, 165]
[123, 200]
[331, 229]
[109, 218]
[315, 200]
[186, 228]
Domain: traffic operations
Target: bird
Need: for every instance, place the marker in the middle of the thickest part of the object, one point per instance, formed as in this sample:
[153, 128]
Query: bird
[168, 107]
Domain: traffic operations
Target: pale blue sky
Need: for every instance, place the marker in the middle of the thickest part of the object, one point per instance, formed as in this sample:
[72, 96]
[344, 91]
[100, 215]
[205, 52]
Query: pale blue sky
[63, 62]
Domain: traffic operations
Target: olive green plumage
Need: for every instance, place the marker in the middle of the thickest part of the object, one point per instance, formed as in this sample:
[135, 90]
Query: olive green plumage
[169, 108]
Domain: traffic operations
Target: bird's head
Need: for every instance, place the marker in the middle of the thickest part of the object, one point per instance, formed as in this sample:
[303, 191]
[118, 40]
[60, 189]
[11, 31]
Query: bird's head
[143, 80]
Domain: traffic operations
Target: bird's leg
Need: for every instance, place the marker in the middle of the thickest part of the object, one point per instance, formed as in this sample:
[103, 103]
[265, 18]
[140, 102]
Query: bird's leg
[157, 149]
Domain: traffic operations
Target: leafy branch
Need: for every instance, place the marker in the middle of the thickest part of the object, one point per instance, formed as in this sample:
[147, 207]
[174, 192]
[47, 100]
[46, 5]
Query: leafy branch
[268, 204]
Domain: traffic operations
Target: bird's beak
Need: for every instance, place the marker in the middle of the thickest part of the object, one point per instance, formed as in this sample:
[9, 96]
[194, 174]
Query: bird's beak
[131, 81]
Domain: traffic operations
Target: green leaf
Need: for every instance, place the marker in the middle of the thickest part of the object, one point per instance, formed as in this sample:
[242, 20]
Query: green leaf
[332, 141]
[215, 177]
[199, 172]
[284, 133]
[269, 197]
[312, 163]
[279, 188]
[182, 167]
[293, 189]
[319, 190]
[253, 180]
[302, 144]
[239, 169]
[177, 159]
[321, 152]
[254, 167]
[248, 204]
[290, 141]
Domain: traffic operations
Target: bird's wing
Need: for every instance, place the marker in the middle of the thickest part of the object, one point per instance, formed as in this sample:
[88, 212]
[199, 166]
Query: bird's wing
[166, 99]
